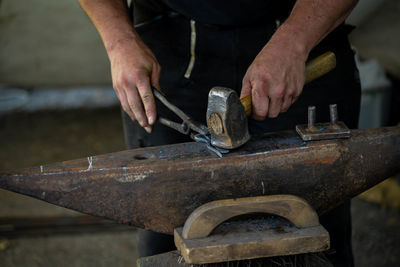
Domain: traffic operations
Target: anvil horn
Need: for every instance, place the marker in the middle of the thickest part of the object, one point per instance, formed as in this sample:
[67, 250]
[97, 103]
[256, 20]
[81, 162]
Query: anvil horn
[158, 187]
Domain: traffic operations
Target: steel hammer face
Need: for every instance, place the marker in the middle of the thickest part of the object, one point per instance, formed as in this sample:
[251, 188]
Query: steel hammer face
[226, 119]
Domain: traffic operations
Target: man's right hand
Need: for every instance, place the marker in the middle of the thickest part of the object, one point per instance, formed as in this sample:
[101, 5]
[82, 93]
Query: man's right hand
[134, 67]
[135, 70]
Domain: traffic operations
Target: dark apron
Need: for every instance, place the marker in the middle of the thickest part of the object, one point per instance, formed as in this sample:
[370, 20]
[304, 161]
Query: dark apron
[223, 55]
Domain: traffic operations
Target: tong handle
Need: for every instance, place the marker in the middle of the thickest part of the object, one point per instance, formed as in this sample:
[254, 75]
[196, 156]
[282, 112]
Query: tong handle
[169, 105]
[180, 127]
[187, 121]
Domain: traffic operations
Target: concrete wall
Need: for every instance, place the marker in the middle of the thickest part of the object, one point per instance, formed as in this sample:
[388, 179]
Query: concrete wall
[49, 43]
[378, 37]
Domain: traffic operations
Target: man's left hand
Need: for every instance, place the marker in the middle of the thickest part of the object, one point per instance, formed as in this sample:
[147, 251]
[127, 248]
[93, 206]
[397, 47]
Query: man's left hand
[275, 80]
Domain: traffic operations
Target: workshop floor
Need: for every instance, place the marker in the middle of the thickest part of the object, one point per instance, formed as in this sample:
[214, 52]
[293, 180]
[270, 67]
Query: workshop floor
[32, 139]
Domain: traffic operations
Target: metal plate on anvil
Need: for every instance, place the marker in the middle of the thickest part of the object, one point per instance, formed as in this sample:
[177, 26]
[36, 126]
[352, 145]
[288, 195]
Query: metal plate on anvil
[323, 131]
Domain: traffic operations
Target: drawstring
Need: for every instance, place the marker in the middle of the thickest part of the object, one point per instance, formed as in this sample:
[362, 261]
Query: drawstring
[192, 49]
[277, 23]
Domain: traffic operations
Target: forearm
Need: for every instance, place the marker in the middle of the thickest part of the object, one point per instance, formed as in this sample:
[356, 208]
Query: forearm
[276, 77]
[111, 19]
[134, 68]
[310, 21]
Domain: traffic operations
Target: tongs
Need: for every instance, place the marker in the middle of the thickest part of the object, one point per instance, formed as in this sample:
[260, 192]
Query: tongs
[197, 131]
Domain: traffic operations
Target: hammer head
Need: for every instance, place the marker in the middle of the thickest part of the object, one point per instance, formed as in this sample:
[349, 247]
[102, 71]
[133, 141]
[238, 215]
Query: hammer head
[226, 119]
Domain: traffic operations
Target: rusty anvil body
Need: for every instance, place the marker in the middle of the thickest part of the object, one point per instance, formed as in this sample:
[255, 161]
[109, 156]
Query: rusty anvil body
[158, 187]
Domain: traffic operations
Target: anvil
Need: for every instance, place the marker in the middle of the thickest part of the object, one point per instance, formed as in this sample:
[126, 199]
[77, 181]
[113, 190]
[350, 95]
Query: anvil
[156, 188]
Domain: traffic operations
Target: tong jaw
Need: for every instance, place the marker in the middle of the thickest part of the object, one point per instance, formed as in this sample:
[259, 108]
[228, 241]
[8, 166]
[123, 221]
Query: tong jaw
[197, 131]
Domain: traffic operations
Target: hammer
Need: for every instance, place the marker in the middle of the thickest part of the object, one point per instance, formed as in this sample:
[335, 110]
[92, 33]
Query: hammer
[227, 114]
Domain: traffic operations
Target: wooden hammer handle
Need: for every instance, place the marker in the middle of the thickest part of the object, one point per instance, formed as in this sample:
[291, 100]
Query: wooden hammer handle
[315, 68]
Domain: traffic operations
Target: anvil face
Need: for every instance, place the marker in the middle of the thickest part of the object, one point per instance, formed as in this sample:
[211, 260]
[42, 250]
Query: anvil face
[158, 187]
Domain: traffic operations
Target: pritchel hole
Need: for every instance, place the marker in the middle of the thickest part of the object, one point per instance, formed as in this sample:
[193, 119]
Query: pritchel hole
[141, 157]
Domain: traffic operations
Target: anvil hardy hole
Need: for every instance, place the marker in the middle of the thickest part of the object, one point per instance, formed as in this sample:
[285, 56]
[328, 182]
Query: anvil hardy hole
[141, 156]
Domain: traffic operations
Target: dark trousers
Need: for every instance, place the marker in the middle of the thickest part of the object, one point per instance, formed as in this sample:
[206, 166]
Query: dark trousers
[221, 59]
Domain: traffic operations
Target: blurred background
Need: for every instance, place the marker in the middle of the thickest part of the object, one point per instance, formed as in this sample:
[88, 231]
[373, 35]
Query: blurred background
[57, 103]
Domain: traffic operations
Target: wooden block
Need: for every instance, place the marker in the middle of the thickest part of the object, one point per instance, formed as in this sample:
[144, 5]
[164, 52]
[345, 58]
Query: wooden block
[204, 219]
[238, 241]
[291, 228]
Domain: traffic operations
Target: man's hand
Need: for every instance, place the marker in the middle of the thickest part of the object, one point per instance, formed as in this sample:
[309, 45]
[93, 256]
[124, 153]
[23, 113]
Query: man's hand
[276, 77]
[275, 80]
[134, 70]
